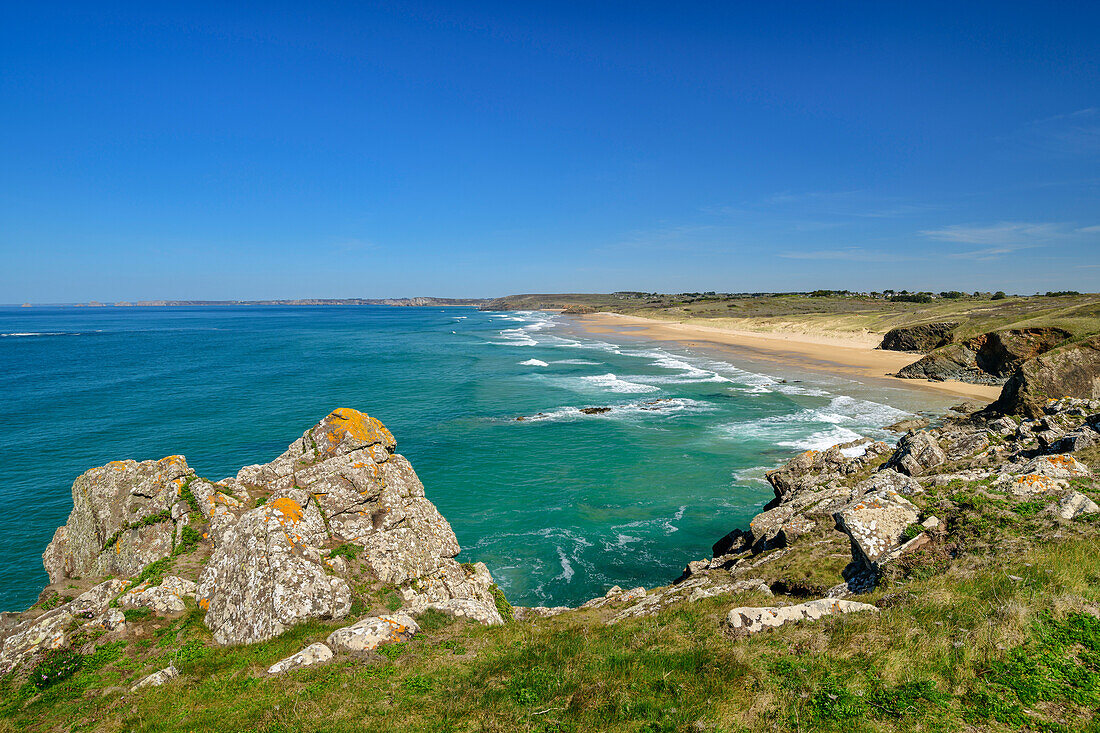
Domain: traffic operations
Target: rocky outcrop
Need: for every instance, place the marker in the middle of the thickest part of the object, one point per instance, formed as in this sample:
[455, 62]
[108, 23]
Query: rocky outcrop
[751, 620]
[121, 521]
[1000, 352]
[990, 358]
[1069, 371]
[279, 543]
[923, 337]
[917, 453]
[54, 629]
[340, 483]
[954, 361]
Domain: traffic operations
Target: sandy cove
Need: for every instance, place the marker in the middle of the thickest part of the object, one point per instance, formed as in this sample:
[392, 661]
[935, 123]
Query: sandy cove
[840, 353]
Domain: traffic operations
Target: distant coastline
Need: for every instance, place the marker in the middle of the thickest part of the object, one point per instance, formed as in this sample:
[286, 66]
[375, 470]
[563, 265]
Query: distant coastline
[407, 302]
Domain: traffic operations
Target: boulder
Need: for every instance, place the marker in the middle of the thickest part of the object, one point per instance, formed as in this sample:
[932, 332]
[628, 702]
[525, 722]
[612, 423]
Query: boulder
[749, 620]
[778, 527]
[369, 633]
[1072, 370]
[876, 525]
[922, 337]
[163, 599]
[1073, 505]
[121, 519]
[1055, 467]
[313, 654]
[889, 480]
[917, 453]
[1078, 440]
[157, 679]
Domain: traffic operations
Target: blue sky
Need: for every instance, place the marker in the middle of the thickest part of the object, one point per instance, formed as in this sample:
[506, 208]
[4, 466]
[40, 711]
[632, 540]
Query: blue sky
[240, 150]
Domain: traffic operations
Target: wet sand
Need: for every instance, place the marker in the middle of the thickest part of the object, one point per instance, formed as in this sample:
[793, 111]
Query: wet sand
[851, 355]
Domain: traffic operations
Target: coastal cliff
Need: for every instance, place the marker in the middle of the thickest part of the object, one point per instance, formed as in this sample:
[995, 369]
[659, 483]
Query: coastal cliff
[323, 531]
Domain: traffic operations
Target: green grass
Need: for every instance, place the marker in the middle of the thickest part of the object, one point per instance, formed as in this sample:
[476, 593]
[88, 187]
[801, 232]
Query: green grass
[1002, 642]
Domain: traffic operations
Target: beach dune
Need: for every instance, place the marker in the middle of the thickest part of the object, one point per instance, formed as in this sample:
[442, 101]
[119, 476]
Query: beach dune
[848, 353]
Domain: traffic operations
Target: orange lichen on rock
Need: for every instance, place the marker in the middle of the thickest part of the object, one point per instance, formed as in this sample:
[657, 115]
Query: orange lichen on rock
[204, 604]
[289, 508]
[359, 426]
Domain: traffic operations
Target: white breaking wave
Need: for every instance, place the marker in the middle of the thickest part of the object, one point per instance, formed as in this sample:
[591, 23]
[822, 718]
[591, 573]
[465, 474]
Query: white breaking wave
[823, 440]
[41, 333]
[613, 383]
[837, 422]
[579, 362]
[650, 408]
[534, 362]
[566, 566]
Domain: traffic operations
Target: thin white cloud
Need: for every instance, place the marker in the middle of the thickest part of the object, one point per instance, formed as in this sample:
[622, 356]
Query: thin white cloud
[850, 254]
[1071, 134]
[1003, 233]
[1089, 230]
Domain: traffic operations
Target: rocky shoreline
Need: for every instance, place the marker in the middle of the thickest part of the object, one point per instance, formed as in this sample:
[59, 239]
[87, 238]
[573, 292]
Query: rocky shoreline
[338, 528]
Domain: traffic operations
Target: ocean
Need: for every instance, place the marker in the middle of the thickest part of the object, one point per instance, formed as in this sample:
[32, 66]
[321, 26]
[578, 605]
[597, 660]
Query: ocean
[560, 505]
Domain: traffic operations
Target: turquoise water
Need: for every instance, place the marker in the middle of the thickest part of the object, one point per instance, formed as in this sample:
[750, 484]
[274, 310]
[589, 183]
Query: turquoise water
[560, 505]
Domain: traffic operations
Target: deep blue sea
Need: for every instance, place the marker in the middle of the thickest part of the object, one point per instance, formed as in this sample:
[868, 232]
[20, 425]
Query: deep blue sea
[560, 505]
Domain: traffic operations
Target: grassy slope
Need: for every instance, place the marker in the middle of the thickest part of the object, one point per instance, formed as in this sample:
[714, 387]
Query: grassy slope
[1003, 637]
[1077, 314]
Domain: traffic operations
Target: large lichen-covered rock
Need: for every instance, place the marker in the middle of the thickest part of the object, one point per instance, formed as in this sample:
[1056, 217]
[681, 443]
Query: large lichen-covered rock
[1067, 371]
[121, 519]
[876, 524]
[340, 483]
[260, 579]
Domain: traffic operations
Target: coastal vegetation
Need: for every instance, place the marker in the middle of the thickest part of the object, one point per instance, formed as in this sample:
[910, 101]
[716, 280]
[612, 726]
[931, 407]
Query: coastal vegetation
[836, 311]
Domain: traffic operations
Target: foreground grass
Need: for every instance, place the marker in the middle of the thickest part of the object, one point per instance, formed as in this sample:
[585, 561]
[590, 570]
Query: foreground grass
[993, 643]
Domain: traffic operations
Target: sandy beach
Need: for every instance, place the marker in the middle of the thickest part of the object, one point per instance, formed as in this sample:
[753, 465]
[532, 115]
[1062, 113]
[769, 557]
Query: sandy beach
[849, 354]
